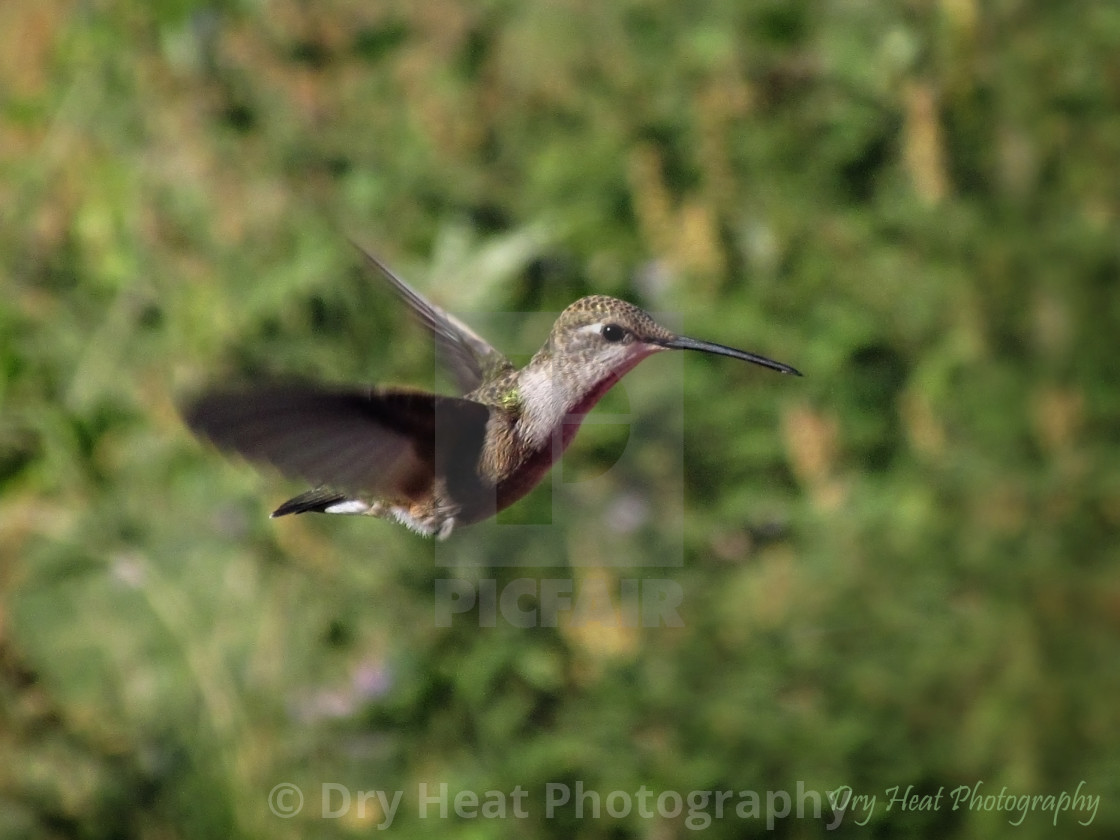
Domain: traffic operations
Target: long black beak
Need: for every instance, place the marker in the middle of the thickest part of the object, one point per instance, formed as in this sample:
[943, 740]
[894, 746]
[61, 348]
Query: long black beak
[682, 343]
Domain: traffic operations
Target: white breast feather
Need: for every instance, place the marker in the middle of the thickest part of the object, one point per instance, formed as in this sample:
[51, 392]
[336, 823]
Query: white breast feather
[545, 401]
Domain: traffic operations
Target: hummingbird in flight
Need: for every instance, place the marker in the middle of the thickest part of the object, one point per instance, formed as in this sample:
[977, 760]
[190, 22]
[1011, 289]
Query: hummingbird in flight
[434, 462]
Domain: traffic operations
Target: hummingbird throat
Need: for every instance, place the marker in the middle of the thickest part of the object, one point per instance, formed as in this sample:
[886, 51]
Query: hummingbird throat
[552, 403]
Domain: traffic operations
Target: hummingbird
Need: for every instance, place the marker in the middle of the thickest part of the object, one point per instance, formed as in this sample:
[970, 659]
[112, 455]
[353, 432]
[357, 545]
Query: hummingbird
[434, 462]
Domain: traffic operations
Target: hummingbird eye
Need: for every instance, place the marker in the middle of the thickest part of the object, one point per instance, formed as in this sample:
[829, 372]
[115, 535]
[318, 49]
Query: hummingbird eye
[613, 333]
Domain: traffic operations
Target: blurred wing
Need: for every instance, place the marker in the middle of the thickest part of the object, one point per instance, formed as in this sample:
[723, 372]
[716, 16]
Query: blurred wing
[384, 442]
[468, 356]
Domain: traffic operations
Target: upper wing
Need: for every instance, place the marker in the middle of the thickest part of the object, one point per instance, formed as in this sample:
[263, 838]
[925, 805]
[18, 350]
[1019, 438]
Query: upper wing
[468, 356]
[381, 442]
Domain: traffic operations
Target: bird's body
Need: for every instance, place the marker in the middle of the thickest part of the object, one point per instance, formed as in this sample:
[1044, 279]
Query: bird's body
[433, 462]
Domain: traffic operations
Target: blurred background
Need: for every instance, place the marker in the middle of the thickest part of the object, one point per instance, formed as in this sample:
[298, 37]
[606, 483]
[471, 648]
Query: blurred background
[900, 570]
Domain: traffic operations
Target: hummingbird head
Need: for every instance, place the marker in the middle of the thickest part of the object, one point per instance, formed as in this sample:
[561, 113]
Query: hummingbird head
[607, 336]
[593, 343]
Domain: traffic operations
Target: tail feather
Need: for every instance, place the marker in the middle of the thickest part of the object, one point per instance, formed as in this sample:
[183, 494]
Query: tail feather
[320, 500]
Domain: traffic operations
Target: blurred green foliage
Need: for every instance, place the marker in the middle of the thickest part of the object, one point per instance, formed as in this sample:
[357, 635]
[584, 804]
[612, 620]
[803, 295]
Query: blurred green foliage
[901, 570]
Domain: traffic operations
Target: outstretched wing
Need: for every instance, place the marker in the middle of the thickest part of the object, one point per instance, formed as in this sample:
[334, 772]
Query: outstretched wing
[468, 356]
[382, 443]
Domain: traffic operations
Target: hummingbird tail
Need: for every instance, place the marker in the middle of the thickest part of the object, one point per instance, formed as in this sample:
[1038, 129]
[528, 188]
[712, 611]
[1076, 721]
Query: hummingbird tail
[320, 500]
